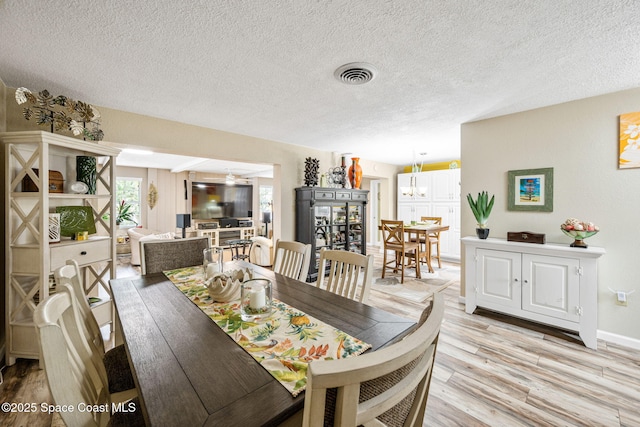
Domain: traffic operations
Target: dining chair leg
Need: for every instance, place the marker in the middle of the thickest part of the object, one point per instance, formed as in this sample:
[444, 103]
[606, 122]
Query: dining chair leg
[384, 262]
[438, 256]
[418, 275]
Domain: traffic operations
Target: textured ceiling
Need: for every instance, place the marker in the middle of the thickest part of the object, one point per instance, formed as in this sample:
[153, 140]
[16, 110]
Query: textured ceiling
[265, 68]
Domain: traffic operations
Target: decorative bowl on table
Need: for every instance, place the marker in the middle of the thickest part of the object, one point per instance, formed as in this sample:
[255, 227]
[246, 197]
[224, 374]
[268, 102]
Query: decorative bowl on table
[578, 230]
[225, 287]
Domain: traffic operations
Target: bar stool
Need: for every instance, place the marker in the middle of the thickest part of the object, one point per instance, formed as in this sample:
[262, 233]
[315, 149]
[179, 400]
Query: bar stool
[236, 245]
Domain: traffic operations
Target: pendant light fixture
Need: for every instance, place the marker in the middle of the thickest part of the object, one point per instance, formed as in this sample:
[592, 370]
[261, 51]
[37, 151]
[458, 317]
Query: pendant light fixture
[230, 179]
[413, 190]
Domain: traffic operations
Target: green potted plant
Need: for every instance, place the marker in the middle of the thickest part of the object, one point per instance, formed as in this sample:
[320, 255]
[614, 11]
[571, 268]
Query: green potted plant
[124, 213]
[481, 208]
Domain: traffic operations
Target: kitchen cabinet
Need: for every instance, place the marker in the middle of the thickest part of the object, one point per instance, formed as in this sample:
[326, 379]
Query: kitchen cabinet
[548, 283]
[31, 258]
[438, 195]
[333, 218]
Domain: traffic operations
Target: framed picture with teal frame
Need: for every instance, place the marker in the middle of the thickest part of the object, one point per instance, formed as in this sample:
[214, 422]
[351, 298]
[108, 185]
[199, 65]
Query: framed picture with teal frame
[530, 190]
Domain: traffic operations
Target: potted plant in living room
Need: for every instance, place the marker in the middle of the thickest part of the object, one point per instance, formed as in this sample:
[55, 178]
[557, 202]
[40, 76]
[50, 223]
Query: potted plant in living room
[124, 213]
[481, 209]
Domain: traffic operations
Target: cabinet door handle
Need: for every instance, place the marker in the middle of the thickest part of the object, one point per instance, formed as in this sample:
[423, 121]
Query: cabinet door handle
[515, 280]
[83, 253]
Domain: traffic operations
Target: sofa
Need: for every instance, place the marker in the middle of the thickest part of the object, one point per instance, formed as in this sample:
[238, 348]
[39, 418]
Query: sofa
[143, 234]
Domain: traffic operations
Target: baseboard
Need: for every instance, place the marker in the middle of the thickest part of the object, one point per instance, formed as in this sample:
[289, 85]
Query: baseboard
[462, 300]
[619, 340]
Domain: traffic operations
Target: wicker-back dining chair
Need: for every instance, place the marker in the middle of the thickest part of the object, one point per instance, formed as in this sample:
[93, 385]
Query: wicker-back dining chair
[160, 255]
[387, 387]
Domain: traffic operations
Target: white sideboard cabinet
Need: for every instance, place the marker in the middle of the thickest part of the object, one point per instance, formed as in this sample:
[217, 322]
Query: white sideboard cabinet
[31, 257]
[548, 283]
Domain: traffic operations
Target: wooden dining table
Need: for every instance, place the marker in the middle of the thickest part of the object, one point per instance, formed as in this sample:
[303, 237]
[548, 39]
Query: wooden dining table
[188, 371]
[418, 231]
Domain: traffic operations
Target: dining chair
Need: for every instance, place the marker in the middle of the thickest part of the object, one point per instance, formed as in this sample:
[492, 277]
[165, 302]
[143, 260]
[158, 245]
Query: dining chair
[344, 270]
[394, 239]
[115, 360]
[292, 259]
[434, 238]
[74, 372]
[159, 255]
[385, 387]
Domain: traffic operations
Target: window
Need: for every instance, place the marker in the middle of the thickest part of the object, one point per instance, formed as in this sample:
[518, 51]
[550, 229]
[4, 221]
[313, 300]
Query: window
[128, 190]
[266, 202]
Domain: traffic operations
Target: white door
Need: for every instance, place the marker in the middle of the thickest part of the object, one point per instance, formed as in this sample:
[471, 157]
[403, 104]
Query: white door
[498, 279]
[551, 286]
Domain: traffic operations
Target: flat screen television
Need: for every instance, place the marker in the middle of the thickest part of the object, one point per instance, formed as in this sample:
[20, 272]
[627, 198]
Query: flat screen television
[211, 200]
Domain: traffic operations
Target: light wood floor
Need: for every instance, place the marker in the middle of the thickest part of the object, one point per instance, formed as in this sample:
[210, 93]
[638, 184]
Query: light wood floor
[491, 370]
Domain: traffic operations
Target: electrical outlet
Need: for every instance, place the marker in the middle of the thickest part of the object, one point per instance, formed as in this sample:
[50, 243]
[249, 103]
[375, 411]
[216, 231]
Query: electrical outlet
[621, 298]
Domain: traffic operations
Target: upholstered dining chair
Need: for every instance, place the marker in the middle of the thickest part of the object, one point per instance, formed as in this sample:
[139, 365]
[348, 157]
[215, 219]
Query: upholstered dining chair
[115, 360]
[74, 372]
[387, 387]
[395, 240]
[160, 255]
[434, 238]
[292, 259]
[344, 273]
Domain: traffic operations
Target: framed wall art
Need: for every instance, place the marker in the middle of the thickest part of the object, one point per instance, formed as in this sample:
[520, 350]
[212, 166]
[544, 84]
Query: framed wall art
[629, 144]
[530, 190]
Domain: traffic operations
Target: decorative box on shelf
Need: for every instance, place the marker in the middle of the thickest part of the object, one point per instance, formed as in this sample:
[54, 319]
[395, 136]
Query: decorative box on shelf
[526, 237]
[56, 182]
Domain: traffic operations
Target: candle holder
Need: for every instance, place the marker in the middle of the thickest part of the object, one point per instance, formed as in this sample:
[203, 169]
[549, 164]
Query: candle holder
[255, 299]
[213, 261]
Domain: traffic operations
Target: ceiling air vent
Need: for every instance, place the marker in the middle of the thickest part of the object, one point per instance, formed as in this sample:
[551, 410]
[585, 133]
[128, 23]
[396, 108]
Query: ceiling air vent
[355, 73]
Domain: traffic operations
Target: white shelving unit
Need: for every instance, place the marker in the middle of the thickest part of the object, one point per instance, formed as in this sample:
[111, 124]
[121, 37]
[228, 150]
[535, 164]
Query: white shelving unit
[30, 257]
[215, 239]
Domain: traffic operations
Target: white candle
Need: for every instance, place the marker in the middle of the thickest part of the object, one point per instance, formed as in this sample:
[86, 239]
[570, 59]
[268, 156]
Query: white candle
[212, 268]
[257, 298]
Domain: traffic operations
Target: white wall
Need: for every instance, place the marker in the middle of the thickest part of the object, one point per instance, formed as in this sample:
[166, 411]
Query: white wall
[580, 141]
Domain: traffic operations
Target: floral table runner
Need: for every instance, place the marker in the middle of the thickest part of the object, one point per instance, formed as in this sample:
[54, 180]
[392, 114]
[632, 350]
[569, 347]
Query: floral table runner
[283, 344]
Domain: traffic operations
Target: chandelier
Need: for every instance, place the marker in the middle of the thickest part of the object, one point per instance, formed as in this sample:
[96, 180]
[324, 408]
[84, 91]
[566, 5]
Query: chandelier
[413, 190]
[230, 179]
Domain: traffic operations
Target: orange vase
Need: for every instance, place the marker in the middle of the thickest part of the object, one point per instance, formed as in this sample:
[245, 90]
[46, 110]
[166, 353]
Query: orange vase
[355, 173]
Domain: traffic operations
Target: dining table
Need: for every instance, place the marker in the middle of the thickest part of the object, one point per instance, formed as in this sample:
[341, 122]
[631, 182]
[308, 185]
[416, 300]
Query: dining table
[417, 231]
[188, 371]
[422, 231]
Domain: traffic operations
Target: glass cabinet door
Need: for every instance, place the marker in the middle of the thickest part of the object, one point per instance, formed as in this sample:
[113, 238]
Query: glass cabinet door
[322, 218]
[339, 230]
[355, 228]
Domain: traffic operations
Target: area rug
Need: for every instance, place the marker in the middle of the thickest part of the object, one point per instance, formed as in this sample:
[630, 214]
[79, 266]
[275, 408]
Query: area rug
[413, 289]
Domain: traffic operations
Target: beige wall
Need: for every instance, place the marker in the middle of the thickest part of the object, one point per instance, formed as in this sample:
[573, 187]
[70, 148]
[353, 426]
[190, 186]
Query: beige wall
[579, 140]
[127, 129]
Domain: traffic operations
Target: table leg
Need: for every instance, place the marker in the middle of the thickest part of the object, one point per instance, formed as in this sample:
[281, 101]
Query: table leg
[427, 250]
[427, 246]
